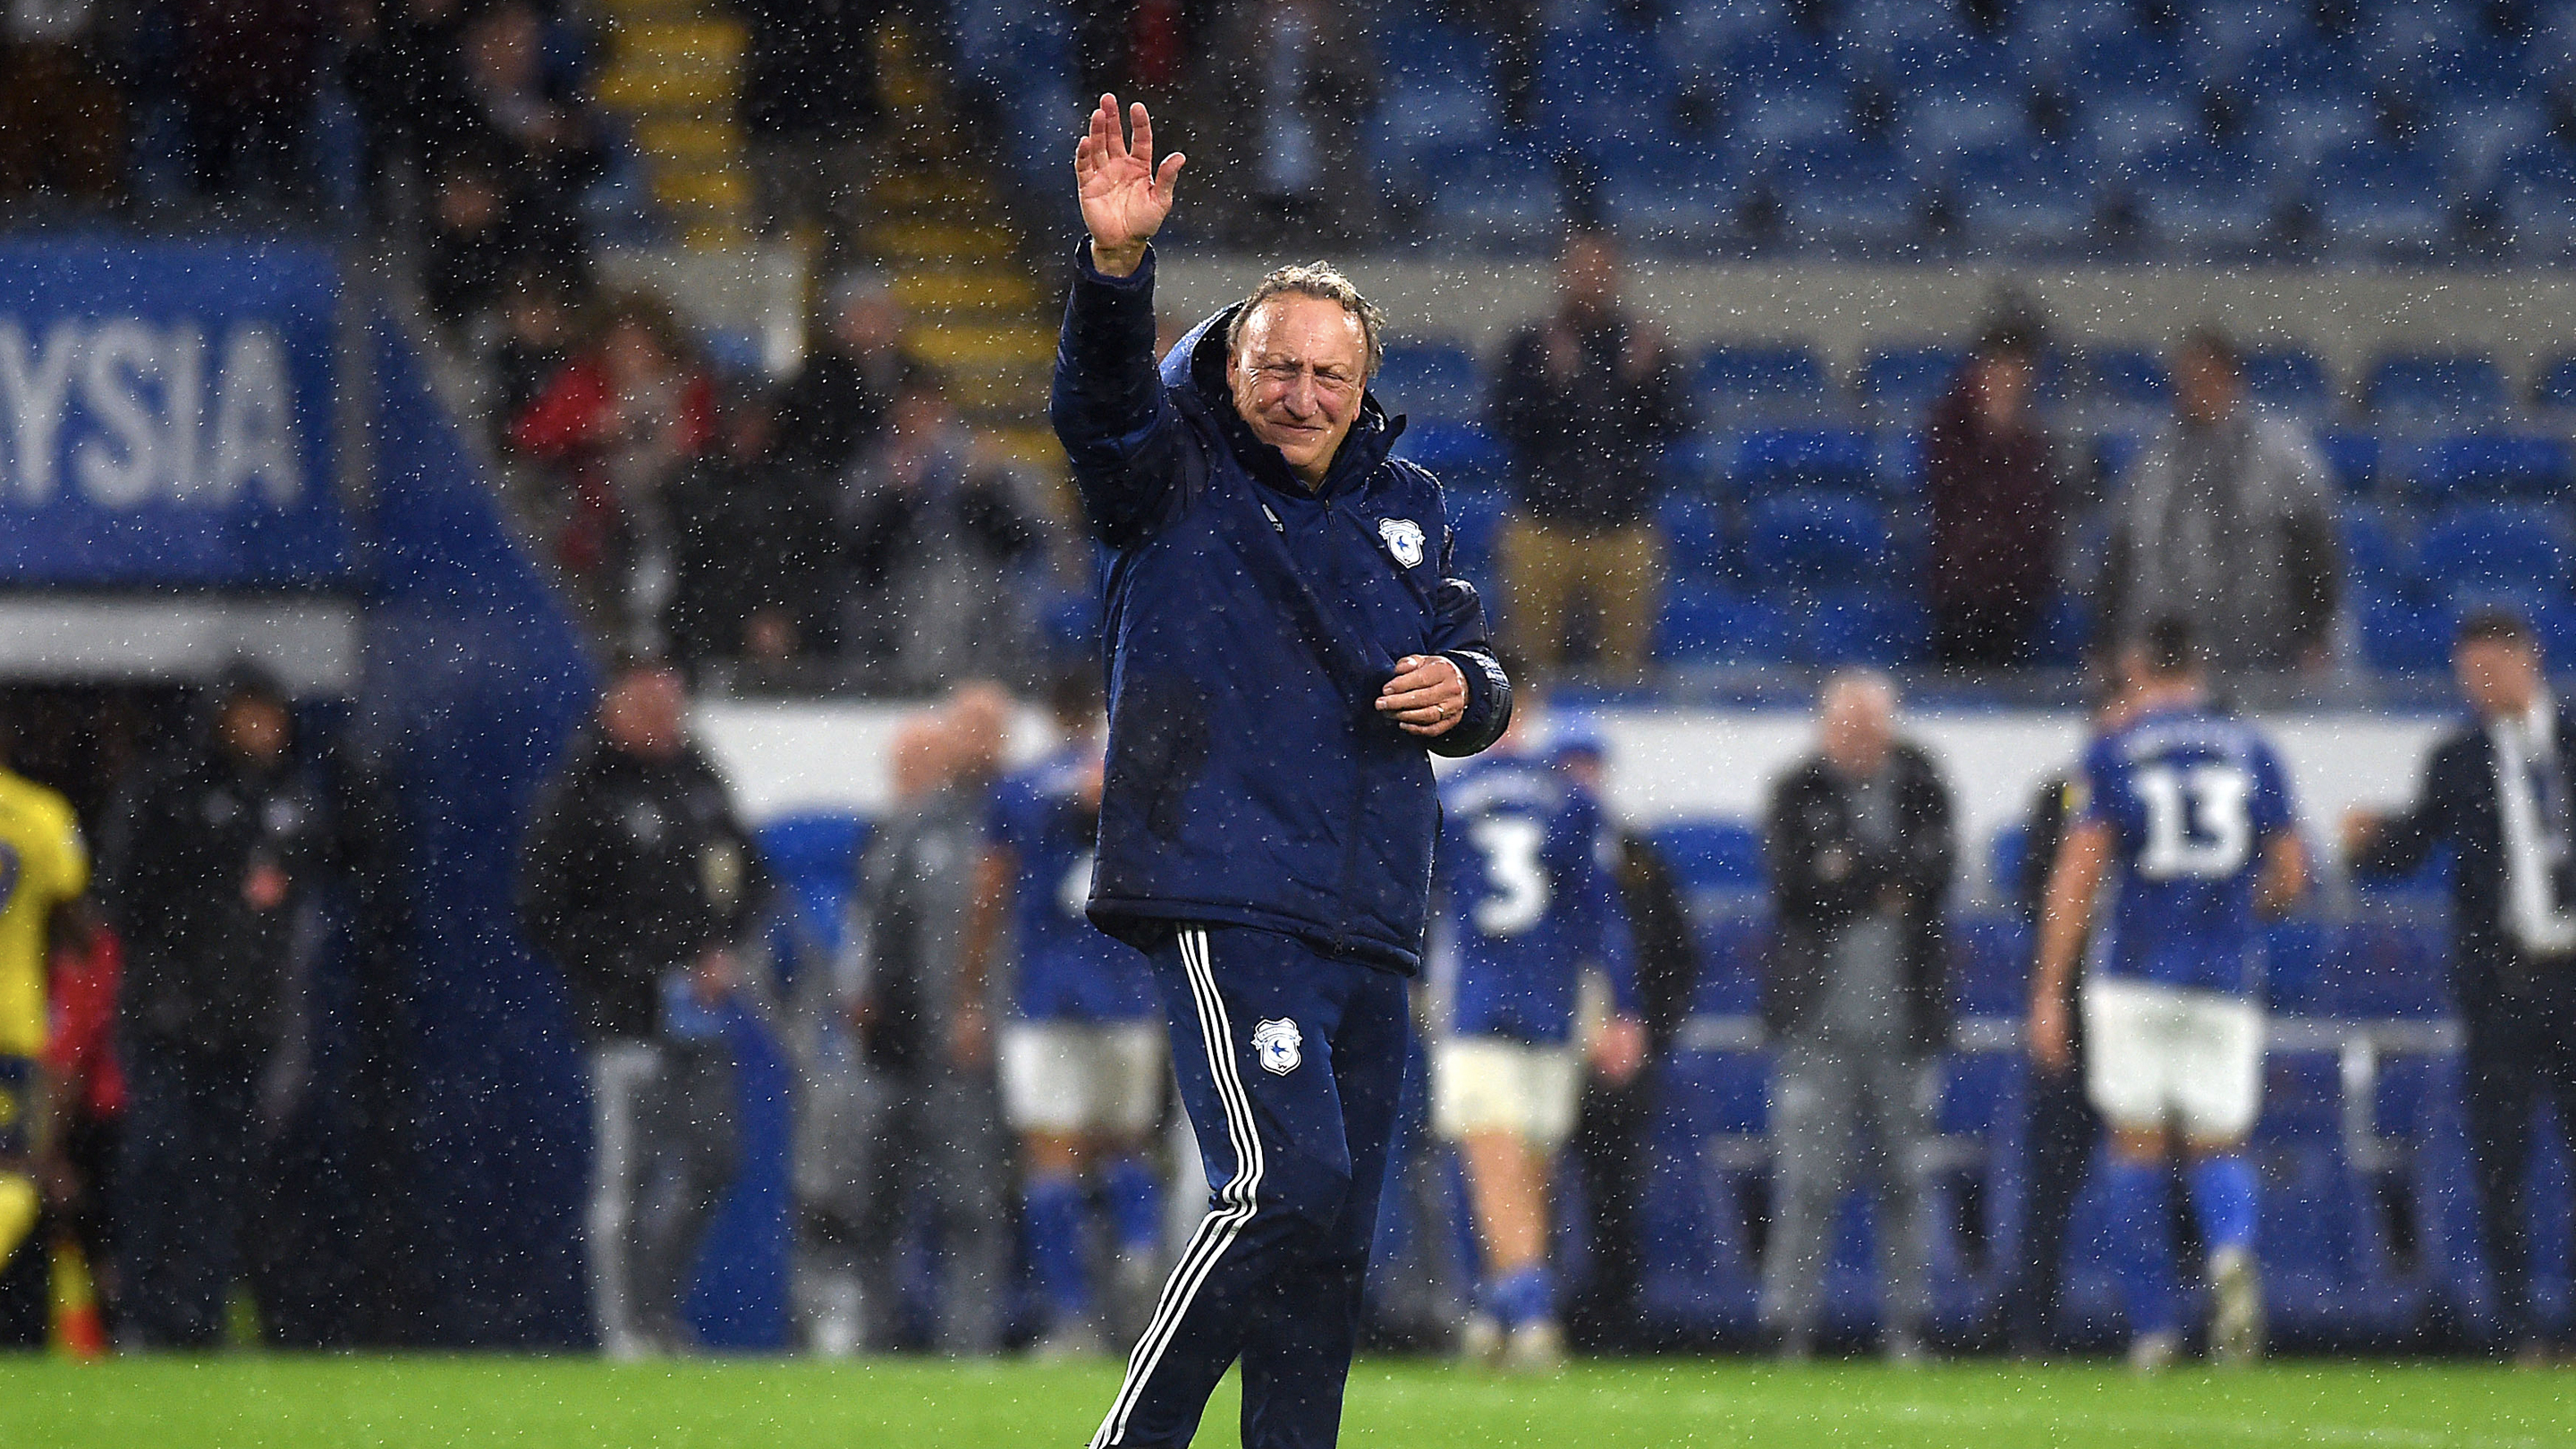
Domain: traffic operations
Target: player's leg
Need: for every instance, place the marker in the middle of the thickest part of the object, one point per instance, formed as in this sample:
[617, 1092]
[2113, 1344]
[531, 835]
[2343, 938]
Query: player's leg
[2496, 1092]
[2059, 1139]
[1551, 1081]
[1812, 1101]
[692, 1141]
[1252, 1015]
[1046, 1097]
[2218, 1092]
[2128, 1030]
[1132, 1073]
[967, 1171]
[1476, 1106]
[1297, 1349]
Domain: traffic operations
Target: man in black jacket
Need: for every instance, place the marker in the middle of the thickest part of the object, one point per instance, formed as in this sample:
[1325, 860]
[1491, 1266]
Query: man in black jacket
[638, 882]
[211, 865]
[1856, 1002]
[1586, 399]
[2496, 793]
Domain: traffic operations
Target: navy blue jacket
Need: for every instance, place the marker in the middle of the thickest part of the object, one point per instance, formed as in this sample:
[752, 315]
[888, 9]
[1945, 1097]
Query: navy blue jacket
[1250, 625]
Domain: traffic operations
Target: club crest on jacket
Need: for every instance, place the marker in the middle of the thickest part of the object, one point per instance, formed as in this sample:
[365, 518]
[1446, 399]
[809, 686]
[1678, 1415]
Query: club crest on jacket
[1403, 539]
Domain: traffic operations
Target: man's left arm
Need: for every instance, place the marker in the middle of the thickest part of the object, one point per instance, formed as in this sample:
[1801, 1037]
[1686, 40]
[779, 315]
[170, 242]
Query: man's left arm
[2309, 551]
[1457, 640]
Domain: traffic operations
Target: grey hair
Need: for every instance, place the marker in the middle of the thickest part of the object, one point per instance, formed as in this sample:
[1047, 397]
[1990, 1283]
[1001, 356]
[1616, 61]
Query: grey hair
[1321, 280]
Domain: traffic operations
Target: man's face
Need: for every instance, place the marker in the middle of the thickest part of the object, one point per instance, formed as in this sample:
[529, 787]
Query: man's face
[2204, 388]
[644, 711]
[867, 323]
[1297, 378]
[1858, 726]
[2002, 389]
[254, 729]
[1587, 275]
[2500, 678]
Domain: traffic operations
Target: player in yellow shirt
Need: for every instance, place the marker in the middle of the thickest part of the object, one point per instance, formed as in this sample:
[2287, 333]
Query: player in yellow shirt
[44, 868]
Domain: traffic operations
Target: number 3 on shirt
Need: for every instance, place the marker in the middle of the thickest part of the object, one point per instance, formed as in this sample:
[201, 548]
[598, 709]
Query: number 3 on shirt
[1510, 845]
[2198, 825]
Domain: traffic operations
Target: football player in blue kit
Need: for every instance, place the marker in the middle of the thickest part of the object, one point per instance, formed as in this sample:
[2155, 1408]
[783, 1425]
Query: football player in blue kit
[1528, 909]
[2185, 813]
[1081, 1059]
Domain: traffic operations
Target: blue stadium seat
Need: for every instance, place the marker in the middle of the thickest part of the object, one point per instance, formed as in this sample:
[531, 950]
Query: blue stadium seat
[2479, 133]
[2372, 198]
[2121, 128]
[1598, 80]
[2023, 198]
[1743, 382]
[2494, 546]
[1476, 523]
[1865, 626]
[1990, 958]
[1703, 39]
[1882, 29]
[1790, 91]
[2538, 193]
[2292, 381]
[1662, 191]
[1694, 530]
[815, 858]
[1792, 457]
[1903, 382]
[2374, 559]
[2223, 40]
[2427, 387]
[2403, 637]
[1501, 192]
[2490, 463]
[2555, 390]
[1424, 380]
[1847, 194]
[2201, 199]
[2048, 35]
[2298, 127]
[2353, 458]
[1942, 125]
[1705, 624]
[2130, 61]
[2006, 851]
[1720, 855]
[1815, 538]
[2128, 376]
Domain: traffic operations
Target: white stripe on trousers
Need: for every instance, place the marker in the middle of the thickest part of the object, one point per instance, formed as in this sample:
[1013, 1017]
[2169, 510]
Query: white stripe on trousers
[1218, 1230]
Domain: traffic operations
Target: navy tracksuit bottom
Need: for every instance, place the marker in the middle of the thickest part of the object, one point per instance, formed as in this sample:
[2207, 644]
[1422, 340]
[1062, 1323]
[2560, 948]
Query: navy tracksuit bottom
[1290, 1063]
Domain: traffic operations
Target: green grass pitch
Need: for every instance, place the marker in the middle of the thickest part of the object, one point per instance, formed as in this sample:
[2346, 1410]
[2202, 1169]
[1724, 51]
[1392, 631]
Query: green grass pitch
[290, 1402]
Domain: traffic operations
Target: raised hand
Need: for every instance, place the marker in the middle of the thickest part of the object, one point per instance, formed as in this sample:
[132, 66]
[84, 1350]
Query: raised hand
[1124, 196]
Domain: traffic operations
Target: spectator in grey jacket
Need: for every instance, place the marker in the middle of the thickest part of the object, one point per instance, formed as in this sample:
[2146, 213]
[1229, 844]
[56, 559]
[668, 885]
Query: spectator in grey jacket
[2224, 524]
[1855, 1001]
[925, 1029]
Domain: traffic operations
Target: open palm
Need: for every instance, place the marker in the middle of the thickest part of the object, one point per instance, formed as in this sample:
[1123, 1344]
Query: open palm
[1124, 196]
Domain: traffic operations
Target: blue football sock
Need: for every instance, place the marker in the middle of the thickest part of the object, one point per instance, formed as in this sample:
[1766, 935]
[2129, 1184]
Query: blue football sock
[1053, 1222]
[2226, 1198]
[1522, 1295]
[1135, 1204]
[2141, 1247]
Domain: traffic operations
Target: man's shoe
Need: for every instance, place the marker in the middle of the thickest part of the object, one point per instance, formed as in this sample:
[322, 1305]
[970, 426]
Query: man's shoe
[2153, 1353]
[2236, 1308]
[1480, 1340]
[1537, 1347]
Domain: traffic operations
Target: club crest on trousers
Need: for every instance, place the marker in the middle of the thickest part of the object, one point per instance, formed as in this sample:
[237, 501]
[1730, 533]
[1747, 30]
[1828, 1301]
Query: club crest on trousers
[1277, 1043]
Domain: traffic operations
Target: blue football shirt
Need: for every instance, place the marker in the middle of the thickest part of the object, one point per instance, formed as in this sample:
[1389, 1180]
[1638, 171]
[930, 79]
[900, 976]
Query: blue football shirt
[1068, 970]
[1527, 902]
[2192, 798]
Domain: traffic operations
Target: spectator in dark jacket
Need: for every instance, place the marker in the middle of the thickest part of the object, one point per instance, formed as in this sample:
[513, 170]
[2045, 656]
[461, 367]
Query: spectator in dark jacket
[836, 404]
[1855, 1001]
[1992, 492]
[1586, 401]
[639, 883]
[213, 864]
[405, 74]
[809, 105]
[936, 527]
[248, 73]
[753, 547]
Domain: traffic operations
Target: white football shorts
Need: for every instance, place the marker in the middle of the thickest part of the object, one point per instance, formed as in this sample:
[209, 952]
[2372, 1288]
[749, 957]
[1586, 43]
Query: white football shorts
[1490, 1084]
[2162, 1055]
[1082, 1077]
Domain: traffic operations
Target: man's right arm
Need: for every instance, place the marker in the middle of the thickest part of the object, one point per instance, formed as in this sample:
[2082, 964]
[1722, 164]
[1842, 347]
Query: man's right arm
[1108, 405]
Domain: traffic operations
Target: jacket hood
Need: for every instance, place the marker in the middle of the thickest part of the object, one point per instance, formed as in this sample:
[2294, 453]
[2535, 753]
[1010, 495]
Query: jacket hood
[1194, 372]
